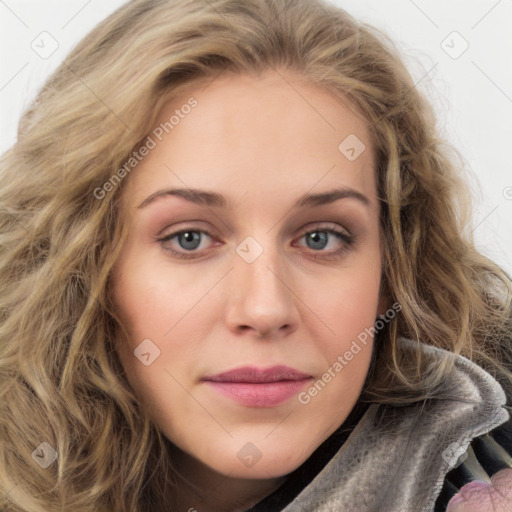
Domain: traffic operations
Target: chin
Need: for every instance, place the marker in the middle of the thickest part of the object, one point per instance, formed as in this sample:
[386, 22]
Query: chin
[261, 460]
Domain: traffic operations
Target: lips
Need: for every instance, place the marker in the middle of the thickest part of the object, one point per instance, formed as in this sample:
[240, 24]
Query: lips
[259, 387]
[255, 375]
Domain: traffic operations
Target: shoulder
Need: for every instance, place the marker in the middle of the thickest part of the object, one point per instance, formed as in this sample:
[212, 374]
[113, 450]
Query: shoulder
[484, 438]
[485, 456]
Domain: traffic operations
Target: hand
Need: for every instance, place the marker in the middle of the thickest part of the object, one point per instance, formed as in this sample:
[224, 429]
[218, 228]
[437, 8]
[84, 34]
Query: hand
[482, 497]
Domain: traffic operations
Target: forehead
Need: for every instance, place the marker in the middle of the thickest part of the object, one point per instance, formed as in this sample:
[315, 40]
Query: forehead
[255, 133]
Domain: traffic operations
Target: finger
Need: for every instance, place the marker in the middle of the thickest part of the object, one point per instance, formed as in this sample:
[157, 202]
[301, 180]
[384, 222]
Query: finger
[502, 485]
[483, 497]
[473, 497]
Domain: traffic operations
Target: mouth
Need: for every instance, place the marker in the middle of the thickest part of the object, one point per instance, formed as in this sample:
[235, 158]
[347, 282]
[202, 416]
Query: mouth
[255, 387]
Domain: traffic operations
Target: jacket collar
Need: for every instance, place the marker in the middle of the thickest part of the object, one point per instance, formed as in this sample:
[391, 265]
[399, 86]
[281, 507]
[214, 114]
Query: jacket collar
[396, 458]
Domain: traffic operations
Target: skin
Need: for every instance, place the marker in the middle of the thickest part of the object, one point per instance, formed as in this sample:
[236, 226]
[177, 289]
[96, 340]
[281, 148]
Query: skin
[477, 496]
[261, 141]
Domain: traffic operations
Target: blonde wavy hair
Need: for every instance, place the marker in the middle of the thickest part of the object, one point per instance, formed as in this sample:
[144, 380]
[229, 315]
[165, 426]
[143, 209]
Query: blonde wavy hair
[62, 382]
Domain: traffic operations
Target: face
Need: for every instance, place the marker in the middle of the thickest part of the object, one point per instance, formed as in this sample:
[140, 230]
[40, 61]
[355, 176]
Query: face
[242, 306]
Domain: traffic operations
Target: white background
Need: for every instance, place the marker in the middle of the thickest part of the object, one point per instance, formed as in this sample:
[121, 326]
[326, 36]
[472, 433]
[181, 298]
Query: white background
[472, 93]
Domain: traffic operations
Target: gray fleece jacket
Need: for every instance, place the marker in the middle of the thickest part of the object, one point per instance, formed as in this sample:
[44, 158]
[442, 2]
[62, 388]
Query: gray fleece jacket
[396, 458]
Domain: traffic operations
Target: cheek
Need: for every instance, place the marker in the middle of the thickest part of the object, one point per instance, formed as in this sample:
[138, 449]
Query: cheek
[149, 298]
[348, 303]
[157, 303]
[348, 310]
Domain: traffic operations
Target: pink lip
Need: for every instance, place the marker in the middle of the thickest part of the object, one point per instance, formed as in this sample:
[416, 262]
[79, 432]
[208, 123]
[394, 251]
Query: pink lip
[254, 387]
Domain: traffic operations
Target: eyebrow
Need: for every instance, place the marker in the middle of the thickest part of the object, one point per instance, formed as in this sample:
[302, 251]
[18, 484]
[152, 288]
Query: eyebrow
[213, 199]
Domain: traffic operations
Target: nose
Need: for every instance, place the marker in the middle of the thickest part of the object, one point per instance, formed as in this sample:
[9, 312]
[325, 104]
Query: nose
[262, 300]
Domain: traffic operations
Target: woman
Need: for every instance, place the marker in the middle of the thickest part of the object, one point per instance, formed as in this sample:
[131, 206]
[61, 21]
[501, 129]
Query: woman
[237, 275]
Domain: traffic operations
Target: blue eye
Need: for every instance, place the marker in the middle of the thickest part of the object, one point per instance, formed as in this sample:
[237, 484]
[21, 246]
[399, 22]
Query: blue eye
[318, 238]
[189, 240]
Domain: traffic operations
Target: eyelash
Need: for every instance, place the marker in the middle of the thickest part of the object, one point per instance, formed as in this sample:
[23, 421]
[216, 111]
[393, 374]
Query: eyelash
[347, 239]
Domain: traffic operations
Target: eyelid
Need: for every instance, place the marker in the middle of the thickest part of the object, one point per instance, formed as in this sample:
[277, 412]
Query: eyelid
[321, 226]
[187, 226]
